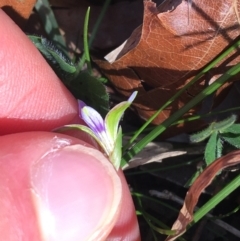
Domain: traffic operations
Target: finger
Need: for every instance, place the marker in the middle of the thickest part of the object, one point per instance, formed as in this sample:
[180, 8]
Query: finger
[126, 226]
[32, 97]
[55, 188]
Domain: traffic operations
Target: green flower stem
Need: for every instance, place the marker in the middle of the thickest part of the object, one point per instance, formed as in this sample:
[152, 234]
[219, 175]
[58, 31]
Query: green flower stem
[162, 127]
[174, 97]
[201, 212]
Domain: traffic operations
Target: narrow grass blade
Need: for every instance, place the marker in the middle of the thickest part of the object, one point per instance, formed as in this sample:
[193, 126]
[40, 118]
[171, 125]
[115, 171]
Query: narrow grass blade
[95, 30]
[162, 127]
[206, 208]
[233, 47]
[85, 42]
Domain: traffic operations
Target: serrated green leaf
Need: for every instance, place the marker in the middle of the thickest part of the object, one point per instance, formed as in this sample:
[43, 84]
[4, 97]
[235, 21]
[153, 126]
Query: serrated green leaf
[234, 128]
[221, 125]
[201, 135]
[82, 85]
[90, 90]
[210, 151]
[60, 63]
[232, 139]
[219, 147]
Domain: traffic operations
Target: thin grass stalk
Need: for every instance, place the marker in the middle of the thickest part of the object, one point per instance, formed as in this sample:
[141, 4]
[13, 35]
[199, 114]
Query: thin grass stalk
[174, 97]
[168, 122]
[214, 201]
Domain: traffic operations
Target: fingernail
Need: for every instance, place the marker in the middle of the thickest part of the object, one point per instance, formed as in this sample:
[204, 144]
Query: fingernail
[72, 191]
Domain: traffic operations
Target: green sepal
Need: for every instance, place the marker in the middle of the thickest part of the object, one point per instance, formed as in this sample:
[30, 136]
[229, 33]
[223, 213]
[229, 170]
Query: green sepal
[81, 128]
[116, 155]
[114, 116]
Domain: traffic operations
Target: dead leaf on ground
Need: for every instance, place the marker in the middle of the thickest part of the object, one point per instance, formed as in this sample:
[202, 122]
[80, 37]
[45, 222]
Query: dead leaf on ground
[175, 41]
[19, 11]
[186, 213]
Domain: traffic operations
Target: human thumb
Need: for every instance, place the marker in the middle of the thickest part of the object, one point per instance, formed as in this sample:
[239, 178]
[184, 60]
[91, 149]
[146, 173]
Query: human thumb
[57, 188]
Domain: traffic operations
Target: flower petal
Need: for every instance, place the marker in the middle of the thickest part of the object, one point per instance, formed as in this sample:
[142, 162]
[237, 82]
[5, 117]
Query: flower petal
[81, 104]
[114, 116]
[96, 123]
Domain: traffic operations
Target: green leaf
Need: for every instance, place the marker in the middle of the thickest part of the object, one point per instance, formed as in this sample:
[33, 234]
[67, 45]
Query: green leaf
[90, 90]
[222, 125]
[235, 129]
[81, 84]
[232, 139]
[219, 147]
[201, 135]
[210, 151]
[59, 62]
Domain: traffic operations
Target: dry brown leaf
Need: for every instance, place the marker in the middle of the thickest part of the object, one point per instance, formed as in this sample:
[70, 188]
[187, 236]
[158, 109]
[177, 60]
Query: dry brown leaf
[186, 213]
[175, 41]
[19, 10]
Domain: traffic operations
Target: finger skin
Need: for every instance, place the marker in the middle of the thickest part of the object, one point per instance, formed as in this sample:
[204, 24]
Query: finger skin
[126, 227]
[32, 98]
[31, 95]
[52, 191]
